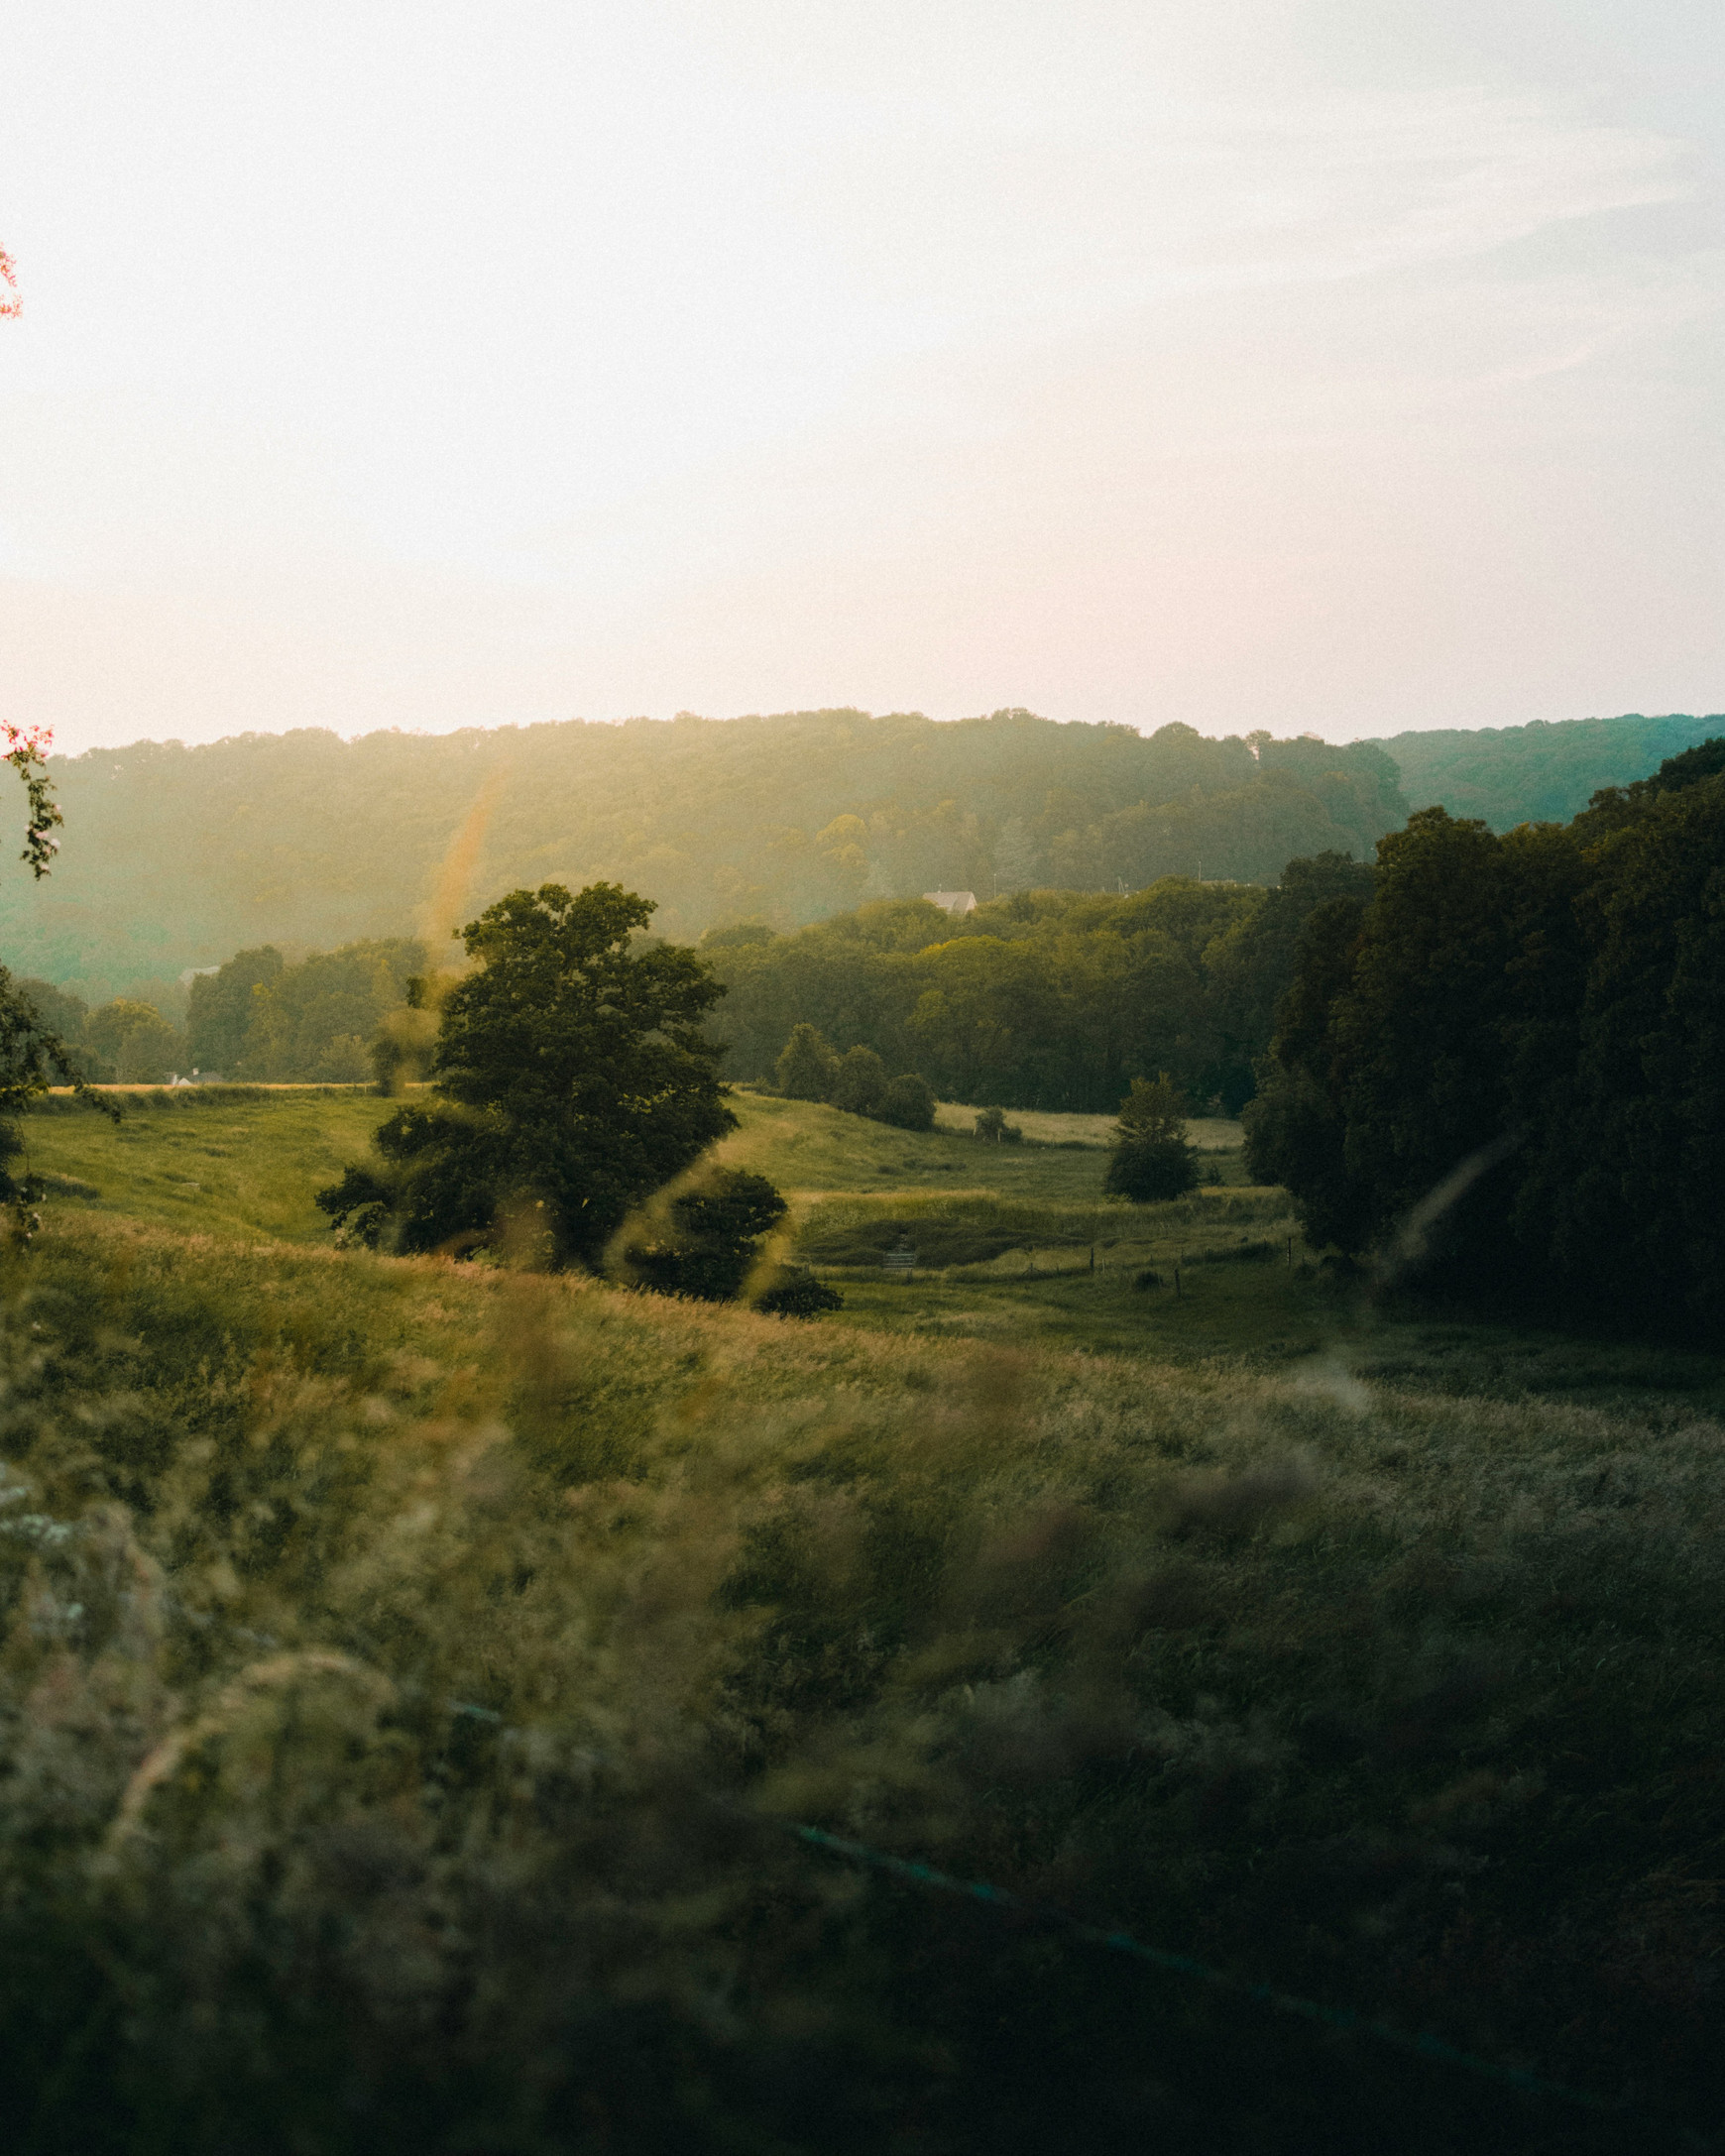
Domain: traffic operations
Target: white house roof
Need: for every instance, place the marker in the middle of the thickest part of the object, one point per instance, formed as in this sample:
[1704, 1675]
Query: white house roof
[953, 902]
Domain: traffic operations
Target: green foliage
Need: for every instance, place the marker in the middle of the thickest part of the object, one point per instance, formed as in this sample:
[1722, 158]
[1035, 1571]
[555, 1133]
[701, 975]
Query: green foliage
[220, 1006]
[1046, 1000]
[63, 1015]
[855, 1082]
[406, 1041]
[124, 1043]
[806, 1069]
[359, 1208]
[1249, 966]
[1503, 1072]
[1153, 1112]
[1151, 1158]
[33, 1052]
[260, 1020]
[26, 752]
[714, 1243]
[859, 1083]
[32, 1055]
[994, 1129]
[572, 1078]
[796, 1292]
[1147, 1169]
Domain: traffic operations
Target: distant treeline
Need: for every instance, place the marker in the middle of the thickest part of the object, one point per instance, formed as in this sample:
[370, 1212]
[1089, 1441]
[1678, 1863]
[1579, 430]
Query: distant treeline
[1048, 999]
[256, 1020]
[1504, 1071]
[177, 856]
[261, 1020]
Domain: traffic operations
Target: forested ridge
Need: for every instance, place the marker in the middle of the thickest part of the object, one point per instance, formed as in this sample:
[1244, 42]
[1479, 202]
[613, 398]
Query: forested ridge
[179, 857]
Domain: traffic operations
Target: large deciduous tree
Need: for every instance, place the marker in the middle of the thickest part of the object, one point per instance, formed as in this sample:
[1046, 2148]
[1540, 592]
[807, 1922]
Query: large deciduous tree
[571, 1078]
[1504, 1071]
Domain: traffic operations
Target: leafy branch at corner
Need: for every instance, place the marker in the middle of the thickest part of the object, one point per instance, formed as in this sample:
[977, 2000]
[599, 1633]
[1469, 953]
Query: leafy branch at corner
[31, 1057]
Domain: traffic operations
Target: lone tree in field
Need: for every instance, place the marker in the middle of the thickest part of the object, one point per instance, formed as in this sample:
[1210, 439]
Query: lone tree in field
[571, 1078]
[1151, 1158]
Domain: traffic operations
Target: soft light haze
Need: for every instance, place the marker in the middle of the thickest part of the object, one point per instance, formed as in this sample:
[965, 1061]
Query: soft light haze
[1350, 366]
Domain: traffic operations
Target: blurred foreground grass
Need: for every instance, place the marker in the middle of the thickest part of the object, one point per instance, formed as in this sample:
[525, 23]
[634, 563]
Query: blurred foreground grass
[406, 1666]
[397, 1753]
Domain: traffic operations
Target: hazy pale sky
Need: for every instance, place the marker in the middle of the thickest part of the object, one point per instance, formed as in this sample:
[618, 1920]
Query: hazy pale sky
[1349, 365]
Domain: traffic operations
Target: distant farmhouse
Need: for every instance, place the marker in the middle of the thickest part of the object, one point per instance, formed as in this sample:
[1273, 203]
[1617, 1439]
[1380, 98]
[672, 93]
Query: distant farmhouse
[957, 903]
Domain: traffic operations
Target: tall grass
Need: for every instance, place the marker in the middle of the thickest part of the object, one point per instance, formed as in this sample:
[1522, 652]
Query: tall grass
[407, 1672]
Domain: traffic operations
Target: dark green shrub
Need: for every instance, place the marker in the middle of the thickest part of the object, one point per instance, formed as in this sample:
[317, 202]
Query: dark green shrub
[994, 1129]
[1149, 1169]
[907, 1103]
[807, 1067]
[798, 1293]
[716, 1233]
[1151, 1159]
[859, 1083]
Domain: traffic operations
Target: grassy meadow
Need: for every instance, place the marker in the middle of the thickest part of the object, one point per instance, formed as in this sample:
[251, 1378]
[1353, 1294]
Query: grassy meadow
[413, 1671]
[220, 1160]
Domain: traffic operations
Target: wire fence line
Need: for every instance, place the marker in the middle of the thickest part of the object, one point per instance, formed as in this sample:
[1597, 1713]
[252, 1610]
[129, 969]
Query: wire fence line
[929, 1878]
[1183, 1965]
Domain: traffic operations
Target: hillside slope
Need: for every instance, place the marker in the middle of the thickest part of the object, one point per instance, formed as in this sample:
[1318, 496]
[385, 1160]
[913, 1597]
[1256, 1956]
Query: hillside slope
[1541, 773]
[411, 1671]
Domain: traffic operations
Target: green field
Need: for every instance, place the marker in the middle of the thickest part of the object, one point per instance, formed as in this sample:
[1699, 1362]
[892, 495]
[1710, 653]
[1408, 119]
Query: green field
[245, 1167]
[242, 1164]
[218, 1161]
[244, 1161]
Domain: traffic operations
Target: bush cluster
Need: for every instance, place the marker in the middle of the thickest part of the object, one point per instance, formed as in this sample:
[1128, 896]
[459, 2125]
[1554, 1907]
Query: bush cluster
[994, 1129]
[810, 1069]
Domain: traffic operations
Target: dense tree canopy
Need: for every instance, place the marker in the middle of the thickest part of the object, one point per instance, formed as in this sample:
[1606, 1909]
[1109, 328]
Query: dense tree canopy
[1507, 1069]
[572, 1077]
[1050, 999]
